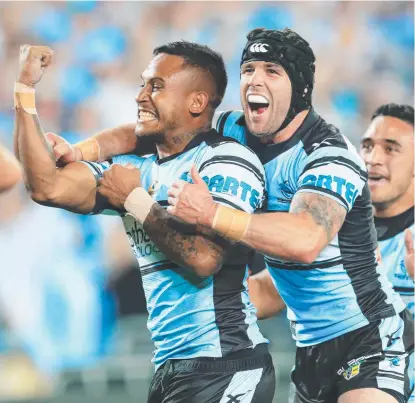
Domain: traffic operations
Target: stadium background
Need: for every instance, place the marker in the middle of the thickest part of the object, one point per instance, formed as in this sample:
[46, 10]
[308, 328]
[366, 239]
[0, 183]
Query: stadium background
[72, 312]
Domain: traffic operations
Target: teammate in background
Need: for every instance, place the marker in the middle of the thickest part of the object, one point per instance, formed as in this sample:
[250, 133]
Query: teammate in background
[387, 148]
[208, 345]
[11, 172]
[318, 235]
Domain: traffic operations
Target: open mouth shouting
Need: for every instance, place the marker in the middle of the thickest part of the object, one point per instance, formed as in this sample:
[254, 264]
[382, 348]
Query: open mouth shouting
[258, 104]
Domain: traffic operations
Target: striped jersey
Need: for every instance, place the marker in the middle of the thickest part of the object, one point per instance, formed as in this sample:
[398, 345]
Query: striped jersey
[345, 288]
[190, 316]
[391, 241]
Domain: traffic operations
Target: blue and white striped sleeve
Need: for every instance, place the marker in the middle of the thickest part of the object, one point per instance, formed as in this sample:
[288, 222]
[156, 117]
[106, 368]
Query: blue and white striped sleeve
[334, 172]
[235, 176]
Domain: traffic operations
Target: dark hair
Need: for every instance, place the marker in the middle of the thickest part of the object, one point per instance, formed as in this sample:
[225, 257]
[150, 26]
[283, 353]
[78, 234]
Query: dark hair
[402, 112]
[202, 57]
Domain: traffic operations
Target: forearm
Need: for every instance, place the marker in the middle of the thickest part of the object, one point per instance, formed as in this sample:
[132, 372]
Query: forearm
[264, 295]
[111, 142]
[285, 236]
[182, 244]
[11, 172]
[35, 154]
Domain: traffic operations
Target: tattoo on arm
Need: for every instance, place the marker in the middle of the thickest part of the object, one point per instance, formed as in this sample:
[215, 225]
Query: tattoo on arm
[325, 212]
[181, 242]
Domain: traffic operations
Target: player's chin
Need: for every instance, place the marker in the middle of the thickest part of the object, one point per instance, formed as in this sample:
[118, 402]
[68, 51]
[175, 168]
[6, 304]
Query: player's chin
[146, 128]
[379, 196]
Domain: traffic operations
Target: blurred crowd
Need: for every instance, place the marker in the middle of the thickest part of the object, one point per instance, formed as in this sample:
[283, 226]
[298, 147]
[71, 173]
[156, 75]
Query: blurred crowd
[64, 278]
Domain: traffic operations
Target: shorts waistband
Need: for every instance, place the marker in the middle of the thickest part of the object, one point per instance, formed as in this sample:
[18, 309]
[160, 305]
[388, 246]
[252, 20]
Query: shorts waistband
[243, 360]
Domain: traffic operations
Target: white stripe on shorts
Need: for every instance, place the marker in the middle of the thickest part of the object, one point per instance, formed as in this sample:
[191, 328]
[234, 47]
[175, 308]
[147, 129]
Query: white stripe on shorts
[242, 386]
[391, 374]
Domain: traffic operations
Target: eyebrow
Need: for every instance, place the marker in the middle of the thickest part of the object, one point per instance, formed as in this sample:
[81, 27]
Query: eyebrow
[394, 142]
[388, 141]
[152, 78]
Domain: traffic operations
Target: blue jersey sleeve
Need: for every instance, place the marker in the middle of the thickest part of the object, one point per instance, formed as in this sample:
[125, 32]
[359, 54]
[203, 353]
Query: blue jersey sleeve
[235, 176]
[228, 124]
[334, 172]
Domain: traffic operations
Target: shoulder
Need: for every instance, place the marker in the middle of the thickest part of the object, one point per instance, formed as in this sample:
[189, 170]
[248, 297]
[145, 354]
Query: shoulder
[230, 151]
[325, 144]
[231, 124]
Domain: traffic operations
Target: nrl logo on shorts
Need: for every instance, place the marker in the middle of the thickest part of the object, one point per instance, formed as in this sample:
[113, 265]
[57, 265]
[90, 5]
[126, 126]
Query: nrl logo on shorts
[351, 371]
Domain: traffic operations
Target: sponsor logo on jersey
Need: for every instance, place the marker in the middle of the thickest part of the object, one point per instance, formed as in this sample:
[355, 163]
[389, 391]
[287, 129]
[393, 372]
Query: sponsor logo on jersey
[334, 183]
[139, 240]
[230, 185]
[259, 48]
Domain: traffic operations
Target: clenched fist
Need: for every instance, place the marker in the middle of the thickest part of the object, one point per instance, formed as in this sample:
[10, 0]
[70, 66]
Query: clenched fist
[32, 63]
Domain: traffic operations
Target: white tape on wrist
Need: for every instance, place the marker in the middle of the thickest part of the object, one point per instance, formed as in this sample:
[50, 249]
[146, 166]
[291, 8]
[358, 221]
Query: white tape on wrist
[138, 204]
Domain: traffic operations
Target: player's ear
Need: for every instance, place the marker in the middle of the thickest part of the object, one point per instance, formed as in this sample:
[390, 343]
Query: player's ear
[198, 102]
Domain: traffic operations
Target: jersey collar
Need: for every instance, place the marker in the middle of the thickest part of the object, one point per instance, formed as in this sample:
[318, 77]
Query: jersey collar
[389, 227]
[207, 136]
[270, 151]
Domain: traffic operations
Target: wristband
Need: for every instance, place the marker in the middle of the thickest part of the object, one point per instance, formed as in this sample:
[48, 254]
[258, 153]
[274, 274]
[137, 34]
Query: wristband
[138, 203]
[90, 149]
[231, 223]
[24, 97]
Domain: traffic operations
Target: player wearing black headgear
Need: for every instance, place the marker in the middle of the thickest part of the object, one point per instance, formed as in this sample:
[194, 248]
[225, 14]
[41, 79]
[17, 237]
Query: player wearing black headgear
[270, 104]
[354, 337]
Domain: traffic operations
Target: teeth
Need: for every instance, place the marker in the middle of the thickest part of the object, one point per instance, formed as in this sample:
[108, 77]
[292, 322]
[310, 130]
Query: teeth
[146, 116]
[257, 99]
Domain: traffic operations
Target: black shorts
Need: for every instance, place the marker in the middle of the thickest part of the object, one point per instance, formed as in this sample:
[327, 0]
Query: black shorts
[243, 377]
[379, 355]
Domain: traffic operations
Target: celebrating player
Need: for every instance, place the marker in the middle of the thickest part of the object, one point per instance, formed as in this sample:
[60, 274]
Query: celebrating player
[208, 347]
[353, 333]
[387, 148]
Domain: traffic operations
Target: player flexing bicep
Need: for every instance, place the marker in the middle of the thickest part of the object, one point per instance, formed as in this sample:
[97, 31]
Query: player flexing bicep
[72, 187]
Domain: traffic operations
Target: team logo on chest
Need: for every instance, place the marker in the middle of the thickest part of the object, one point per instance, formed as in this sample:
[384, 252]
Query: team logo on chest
[153, 188]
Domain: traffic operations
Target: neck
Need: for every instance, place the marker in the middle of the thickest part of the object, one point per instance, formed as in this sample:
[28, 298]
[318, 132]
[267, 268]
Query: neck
[289, 130]
[174, 143]
[396, 207]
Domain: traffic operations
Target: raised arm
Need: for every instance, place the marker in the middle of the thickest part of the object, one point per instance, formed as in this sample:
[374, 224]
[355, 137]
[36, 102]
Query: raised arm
[10, 170]
[104, 145]
[73, 187]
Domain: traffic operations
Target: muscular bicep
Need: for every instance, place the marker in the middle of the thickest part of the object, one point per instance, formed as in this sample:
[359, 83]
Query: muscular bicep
[325, 213]
[74, 190]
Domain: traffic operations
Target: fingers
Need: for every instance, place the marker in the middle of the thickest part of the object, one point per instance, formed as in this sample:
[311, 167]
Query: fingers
[171, 210]
[52, 138]
[197, 179]
[173, 192]
[172, 201]
[178, 184]
[409, 241]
